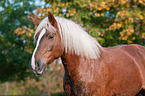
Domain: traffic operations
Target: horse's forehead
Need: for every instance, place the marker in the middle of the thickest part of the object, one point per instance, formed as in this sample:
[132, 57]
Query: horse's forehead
[43, 31]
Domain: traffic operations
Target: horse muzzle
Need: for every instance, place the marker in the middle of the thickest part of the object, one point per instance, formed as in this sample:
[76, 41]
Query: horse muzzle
[39, 67]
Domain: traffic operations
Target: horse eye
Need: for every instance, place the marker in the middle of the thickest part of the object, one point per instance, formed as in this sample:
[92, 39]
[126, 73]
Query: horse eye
[50, 37]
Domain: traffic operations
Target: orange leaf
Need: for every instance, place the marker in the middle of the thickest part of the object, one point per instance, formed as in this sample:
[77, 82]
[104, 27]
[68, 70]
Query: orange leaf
[30, 34]
[39, 17]
[99, 38]
[107, 8]
[32, 31]
[97, 14]
[100, 8]
[141, 17]
[67, 15]
[133, 38]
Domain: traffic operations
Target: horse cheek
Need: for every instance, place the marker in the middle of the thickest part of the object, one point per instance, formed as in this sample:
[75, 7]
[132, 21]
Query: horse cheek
[58, 51]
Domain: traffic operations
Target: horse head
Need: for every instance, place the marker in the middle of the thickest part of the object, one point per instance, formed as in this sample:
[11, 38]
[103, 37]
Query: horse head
[49, 46]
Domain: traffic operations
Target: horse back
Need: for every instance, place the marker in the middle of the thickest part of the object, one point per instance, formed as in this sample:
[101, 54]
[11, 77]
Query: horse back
[126, 69]
[137, 52]
[141, 60]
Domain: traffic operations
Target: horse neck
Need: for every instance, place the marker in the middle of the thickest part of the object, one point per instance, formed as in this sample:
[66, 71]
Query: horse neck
[70, 62]
[77, 66]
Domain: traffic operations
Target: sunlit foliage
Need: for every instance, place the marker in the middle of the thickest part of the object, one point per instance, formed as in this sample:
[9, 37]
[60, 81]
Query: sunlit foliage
[111, 22]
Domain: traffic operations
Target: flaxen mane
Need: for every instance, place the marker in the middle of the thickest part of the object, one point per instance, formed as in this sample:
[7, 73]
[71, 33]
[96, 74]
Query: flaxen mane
[75, 39]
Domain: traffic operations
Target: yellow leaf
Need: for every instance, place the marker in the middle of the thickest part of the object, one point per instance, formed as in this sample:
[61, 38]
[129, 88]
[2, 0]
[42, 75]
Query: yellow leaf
[140, 1]
[124, 38]
[74, 11]
[119, 25]
[128, 5]
[57, 9]
[62, 4]
[129, 33]
[107, 8]
[131, 19]
[104, 6]
[103, 3]
[125, 22]
[30, 34]
[66, 4]
[143, 35]
[100, 8]
[102, 14]
[141, 17]
[48, 9]
[60, 14]
[97, 14]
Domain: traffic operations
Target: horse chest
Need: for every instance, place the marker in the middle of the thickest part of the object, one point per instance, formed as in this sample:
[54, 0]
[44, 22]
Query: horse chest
[80, 88]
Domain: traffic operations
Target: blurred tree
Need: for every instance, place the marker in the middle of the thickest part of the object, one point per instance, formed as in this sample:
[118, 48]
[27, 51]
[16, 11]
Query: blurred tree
[14, 60]
[111, 22]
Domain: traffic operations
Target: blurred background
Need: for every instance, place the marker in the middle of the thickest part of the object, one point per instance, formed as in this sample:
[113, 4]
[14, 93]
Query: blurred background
[111, 22]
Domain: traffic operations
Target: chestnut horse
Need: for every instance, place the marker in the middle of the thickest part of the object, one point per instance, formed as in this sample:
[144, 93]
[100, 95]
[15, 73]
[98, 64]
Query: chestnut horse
[90, 69]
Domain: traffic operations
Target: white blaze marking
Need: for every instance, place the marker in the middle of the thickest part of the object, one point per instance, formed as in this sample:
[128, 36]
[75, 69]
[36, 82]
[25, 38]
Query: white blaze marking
[33, 56]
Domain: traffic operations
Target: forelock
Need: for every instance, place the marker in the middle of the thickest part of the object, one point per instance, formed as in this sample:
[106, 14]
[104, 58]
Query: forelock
[44, 24]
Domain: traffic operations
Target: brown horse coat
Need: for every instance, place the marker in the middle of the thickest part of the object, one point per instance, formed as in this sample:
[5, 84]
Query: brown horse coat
[118, 71]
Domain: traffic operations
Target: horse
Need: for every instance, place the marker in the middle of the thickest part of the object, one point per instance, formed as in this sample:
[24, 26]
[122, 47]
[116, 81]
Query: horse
[90, 69]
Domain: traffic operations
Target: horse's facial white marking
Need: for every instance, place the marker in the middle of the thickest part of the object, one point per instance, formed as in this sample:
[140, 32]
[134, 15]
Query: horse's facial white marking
[38, 42]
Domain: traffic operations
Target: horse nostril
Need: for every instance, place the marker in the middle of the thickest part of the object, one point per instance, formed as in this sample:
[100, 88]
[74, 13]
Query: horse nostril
[39, 67]
[37, 64]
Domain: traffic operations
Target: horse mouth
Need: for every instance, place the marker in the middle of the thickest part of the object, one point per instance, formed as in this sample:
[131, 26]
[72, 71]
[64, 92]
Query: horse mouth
[39, 69]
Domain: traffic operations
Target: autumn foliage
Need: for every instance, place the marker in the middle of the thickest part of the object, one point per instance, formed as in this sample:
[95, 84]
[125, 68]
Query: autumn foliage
[111, 22]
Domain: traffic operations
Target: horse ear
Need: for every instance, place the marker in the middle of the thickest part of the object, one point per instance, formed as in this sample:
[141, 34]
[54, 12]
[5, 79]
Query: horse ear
[34, 20]
[52, 20]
